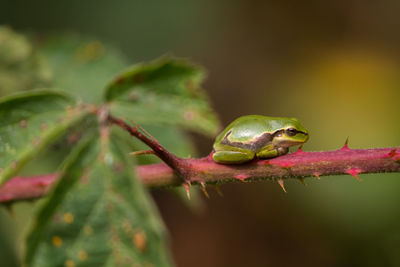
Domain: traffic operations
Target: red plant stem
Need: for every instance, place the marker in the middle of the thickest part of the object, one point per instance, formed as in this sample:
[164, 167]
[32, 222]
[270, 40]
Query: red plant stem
[296, 165]
[179, 165]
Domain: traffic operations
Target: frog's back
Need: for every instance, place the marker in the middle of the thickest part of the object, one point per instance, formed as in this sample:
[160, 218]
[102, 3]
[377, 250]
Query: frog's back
[246, 128]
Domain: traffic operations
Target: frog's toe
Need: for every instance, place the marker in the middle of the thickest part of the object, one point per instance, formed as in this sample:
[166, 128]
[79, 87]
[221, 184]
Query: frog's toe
[272, 153]
[233, 157]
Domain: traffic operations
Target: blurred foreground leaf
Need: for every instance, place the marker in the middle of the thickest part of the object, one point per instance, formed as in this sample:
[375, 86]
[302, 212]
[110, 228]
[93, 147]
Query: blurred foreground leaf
[29, 122]
[98, 215]
[81, 66]
[165, 91]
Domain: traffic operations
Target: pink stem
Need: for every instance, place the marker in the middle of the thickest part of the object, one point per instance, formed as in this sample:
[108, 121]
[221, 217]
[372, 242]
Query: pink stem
[179, 165]
[298, 165]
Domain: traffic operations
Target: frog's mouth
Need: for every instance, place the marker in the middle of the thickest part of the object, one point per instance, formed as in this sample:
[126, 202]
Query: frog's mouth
[289, 143]
[283, 140]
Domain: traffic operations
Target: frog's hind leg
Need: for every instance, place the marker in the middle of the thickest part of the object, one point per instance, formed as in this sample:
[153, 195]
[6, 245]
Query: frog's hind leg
[267, 152]
[230, 155]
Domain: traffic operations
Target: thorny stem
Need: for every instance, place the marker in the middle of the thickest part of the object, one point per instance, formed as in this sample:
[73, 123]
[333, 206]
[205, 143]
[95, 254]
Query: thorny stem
[179, 165]
[297, 165]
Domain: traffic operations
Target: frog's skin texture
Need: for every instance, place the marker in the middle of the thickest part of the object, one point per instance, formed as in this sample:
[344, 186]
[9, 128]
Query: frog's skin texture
[257, 136]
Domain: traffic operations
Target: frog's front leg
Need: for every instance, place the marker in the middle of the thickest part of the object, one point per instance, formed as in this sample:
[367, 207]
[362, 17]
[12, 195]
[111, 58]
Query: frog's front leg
[270, 152]
[232, 155]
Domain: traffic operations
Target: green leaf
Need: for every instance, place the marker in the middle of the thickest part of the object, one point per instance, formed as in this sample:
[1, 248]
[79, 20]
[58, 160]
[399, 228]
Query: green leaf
[99, 214]
[29, 122]
[81, 66]
[165, 91]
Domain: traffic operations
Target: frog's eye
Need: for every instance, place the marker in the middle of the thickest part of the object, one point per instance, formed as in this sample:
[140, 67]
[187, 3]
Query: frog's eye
[291, 132]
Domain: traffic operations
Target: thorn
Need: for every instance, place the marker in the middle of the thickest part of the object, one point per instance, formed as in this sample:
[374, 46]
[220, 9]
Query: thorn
[299, 151]
[280, 182]
[186, 186]
[303, 181]
[391, 154]
[141, 152]
[218, 189]
[242, 177]
[137, 126]
[346, 145]
[203, 188]
[354, 172]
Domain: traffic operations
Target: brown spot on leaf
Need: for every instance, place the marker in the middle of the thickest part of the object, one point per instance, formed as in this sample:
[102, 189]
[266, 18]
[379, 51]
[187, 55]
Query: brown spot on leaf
[90, 51]
[23, 123]
[73, 138]
[85, 178]
[119, 80]
[57, 218]
[133, 96]
[189, 84]
[56, 241]
[138, 78]
[109, 207]
[127, 227]
[43, 126]
[140, 240]
[68, 218]
[14, 165]
[88, 230]
[114, 236]
[192, 88]
[189, 115]
[69, 263]
[118, 167]
[36, 142]
[82, 255]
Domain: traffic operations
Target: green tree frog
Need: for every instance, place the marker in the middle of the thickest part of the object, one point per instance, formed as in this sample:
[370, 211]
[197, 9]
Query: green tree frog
[257, 136]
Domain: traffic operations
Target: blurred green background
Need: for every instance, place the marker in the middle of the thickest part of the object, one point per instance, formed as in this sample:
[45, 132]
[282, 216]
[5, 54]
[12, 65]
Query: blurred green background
[333, 64]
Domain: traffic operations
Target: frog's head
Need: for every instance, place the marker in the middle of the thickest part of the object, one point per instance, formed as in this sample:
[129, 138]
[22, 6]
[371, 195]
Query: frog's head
[290, 133]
